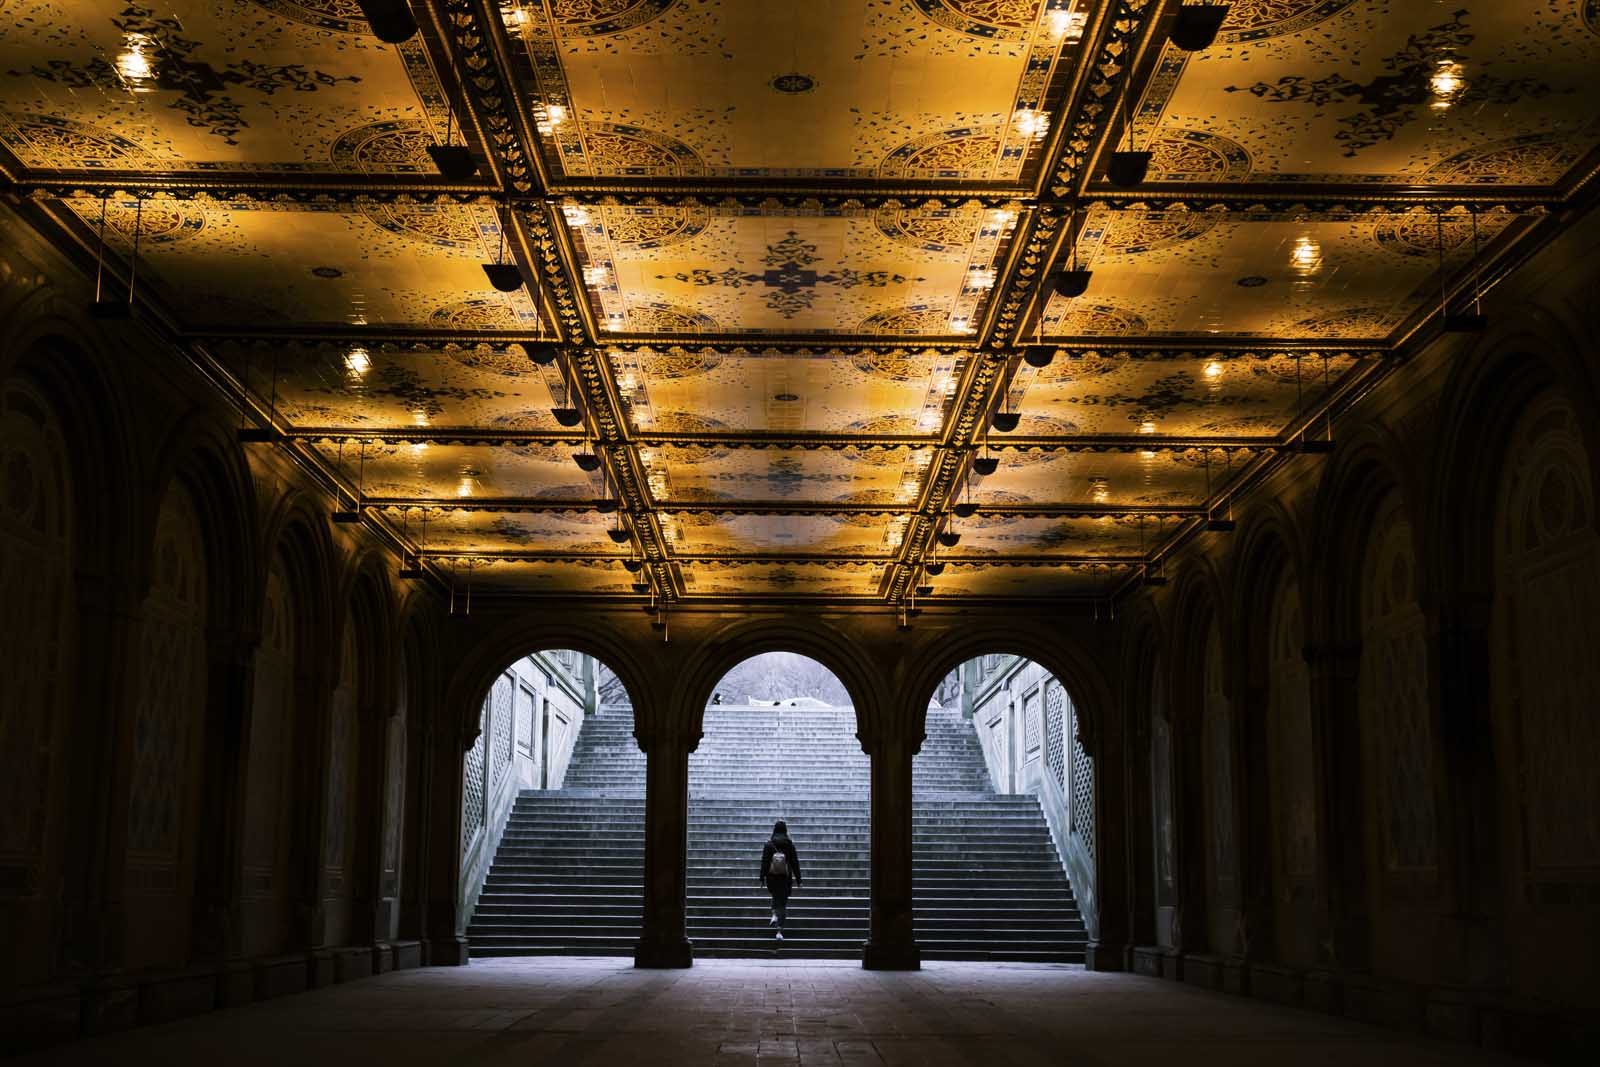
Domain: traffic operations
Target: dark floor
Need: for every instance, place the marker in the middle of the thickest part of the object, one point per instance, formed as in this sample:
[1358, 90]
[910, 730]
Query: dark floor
[602, 1011]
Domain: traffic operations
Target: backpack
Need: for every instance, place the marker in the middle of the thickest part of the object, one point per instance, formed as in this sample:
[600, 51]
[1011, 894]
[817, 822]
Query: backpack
[779, 868]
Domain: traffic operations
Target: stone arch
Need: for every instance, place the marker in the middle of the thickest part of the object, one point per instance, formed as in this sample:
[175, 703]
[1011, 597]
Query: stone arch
[1202, 695]
[166, 728]
[280, 859]
[1519, 564]
[1148, 806]
[486, 658]
[39, 521]
[1277, 741]
[1077, 670]
[736, 642]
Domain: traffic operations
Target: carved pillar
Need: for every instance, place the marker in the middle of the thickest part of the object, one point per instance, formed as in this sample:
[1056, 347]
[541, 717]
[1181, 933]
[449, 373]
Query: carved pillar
[1111, 947]
[664, 941]
[230, 679]
[1345, 933]
[444, 924]
[891, 944]
[1258, 918]
[95, 825]
[1463, 688]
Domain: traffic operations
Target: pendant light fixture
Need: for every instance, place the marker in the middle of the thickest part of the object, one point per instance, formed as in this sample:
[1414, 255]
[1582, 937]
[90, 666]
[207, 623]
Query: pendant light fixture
[567, 414]
[353, 515]
[453, 161]
[259, 434]
[1216, 522]
[391, 20]
[1074, 281]
[1306, 444]
[984, 464]
[1151, 577]
[1128, 167]
[411, 562]
[506, 277]
[1461, 321]
[1196, 25]
[105, 308]
[1003, 420]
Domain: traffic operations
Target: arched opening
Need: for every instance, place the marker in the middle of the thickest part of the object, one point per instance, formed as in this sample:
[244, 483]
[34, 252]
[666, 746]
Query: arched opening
[778, 744]
[1003, 801]
[552, 812]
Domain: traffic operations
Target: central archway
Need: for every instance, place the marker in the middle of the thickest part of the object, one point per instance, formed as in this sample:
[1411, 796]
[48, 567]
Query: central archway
[778, 745]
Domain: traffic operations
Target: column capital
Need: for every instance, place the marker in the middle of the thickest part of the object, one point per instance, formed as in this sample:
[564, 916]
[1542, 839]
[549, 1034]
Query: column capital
[666, 740]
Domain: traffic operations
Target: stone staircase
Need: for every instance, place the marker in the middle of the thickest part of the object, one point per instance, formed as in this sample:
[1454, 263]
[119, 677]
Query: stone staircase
[568, 874]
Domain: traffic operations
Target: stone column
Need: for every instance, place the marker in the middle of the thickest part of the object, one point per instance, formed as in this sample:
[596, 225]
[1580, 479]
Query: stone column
[1336, 734]
[664, 941]
[444, 924]
[891, 944]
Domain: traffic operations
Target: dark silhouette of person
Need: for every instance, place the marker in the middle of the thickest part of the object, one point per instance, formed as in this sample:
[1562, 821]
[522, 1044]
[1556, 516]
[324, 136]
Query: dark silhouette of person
[780, 872]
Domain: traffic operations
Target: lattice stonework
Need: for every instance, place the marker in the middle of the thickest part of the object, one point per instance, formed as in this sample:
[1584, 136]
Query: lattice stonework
[1055, 732]
[1082, 794]
[502, 725]
[1030, 723]
[473, 790]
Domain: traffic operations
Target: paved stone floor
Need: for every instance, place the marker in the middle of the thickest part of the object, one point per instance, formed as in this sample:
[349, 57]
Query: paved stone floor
[594, 1011]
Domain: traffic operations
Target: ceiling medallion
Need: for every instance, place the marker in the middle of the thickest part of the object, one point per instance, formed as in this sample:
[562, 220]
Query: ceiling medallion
[327, 272]
[787, 398]
[793, 83]
[1251, 281]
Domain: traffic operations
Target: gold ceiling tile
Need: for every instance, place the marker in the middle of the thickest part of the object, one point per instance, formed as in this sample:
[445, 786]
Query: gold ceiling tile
[702, 578]
[1014, 582]
[466, 473]
[1126, 479]
[293, 88]
[1469, 93]
[792, 475]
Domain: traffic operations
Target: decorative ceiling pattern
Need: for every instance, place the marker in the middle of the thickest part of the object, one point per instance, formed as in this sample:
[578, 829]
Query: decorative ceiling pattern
[787, 270]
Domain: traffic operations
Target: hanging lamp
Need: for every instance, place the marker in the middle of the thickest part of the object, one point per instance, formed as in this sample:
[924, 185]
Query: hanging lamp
[1196, 26]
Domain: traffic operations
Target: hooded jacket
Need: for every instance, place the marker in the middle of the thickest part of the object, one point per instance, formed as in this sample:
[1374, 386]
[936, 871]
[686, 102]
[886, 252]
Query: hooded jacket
[777, 843]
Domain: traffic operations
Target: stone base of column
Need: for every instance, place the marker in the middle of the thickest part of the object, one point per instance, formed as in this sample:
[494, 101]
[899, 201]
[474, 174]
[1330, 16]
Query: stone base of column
[664, 955]
[447, 952]
[1099, 957]
[883, 956]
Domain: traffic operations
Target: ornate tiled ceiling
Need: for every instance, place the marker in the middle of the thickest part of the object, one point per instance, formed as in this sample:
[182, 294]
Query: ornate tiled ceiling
[782, 262]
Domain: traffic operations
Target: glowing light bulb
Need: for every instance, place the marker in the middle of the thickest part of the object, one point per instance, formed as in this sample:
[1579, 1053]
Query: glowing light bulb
[928, 420]
[1147, 426]
[464, 487]
[1306, 256]
[598, 275]
[981, 278]
[1213, 370]
[1446, 83]
[1030, 123]
[576, 214]
[134, 63]
[357, 362]
[556, 113]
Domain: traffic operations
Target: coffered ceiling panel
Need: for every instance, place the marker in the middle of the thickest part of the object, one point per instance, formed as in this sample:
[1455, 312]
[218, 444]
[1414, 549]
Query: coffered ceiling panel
[369, 387]
[794, 475]
[1024, 582]
[1231, 394]
[842, 89]
[210, 85]
[452, 473]
[578, 532]
[829, 391]
[537, 577]
[248, 263]
[782, 258]
[1468, 92]
[850, 273]
[1117, 478]
[714, 578]
[848, 535]
[1188, 273]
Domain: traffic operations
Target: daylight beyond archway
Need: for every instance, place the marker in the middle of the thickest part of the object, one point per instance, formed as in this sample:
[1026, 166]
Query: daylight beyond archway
[553, 846]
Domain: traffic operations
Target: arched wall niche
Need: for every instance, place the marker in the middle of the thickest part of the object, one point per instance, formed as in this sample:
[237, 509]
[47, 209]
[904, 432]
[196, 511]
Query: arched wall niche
[1205, 754]
[1277, 735]
[729, 646]
[166, 738]
[1084, 677]
[39, 521]
[1513, 511]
